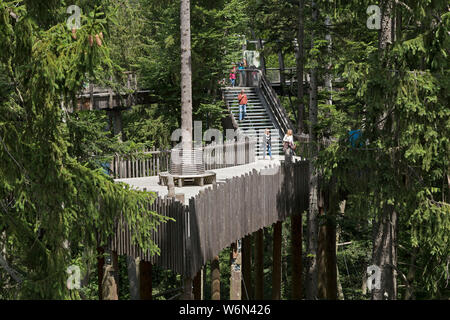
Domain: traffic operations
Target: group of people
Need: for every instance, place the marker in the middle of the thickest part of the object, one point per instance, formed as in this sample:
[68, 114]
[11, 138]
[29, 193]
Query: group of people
[240, 66]
[288, 140]
[288, 144]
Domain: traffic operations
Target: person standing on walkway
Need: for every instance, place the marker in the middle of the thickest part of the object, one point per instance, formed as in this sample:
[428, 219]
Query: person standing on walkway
[242, 82]
[288, 144]
[267, 143]
[243, 100]
[233, 78]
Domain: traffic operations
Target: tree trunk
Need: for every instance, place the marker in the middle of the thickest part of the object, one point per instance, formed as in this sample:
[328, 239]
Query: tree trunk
[384, 254]
[385, 230]
[409, 294]
[313, 212]
[328, 76]
[259, 265]
[282, 76]
[186, 74]
[300, 67]
[276, 262]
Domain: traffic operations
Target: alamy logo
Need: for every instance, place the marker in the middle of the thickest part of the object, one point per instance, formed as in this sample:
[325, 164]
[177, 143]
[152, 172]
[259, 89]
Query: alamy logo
[374, 278]
[74, 21]
[74, 280]
[374, 20]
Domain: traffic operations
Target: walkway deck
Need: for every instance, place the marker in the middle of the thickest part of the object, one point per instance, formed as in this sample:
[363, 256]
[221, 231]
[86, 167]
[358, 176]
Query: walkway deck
[151, 183]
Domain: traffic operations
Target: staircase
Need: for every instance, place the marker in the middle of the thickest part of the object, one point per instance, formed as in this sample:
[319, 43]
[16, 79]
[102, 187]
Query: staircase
[257, 119]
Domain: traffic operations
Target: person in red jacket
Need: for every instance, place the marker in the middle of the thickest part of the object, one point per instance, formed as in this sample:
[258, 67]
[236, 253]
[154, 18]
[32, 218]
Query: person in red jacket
[232, 78]
[243, 100]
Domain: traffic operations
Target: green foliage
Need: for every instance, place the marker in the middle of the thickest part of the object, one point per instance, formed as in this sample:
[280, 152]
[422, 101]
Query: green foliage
[50, 201]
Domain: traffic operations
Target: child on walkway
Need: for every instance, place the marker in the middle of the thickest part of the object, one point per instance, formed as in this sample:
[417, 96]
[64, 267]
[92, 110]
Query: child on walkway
[232, 78]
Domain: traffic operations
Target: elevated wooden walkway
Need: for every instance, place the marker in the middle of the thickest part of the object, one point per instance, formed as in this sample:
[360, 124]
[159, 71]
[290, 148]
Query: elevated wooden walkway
[212, 218]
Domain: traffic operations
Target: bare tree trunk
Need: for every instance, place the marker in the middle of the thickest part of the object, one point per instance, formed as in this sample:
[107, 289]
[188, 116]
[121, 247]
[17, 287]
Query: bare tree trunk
[384, 254]
[300, 67]
[385, 230]
[339, 285]
[313, 213]
[282, 76]
[186, 74]
[409, 294]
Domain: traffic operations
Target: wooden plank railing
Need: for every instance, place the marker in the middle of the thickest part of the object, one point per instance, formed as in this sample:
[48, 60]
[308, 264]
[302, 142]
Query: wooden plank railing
[146, 164]
[152, 162]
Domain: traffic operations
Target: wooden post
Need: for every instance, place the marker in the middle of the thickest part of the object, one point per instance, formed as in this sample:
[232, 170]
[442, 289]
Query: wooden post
[115, 265]
[236, 275]
[100, 265]
[187, 289]
[215, 279]
[296, 247]
[331, 260]
[133, 277]
[259, 264]
[109, 285]
[276, 262]
[197, 283]
[247, 284]
[145, 280]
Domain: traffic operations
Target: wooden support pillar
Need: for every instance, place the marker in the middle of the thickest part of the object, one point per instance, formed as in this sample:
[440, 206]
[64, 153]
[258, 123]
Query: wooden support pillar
[276, 262]
[109, 284]
[332, 206]
[321, 255]
[115, 118]
[198, 285]
[133, 277]
[145, 280]
[236, 275]
[247, 284]
[215, 279]
[100, 266]
[327, 245]
[259, 264]
[187, 289]
[296, 247]
[115, 264]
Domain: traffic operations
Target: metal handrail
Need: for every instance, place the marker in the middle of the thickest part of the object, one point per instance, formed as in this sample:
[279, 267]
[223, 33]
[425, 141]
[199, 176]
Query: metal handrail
[274, 104]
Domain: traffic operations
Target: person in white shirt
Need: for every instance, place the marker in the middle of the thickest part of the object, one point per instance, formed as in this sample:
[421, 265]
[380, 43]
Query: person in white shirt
[288, 143]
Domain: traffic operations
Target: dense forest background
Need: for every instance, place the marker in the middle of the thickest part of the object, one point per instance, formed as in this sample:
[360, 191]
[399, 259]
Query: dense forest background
[53, 190]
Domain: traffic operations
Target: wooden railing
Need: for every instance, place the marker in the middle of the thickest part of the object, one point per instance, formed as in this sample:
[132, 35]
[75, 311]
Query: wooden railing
[152, 162]
[273, 75]
[146, 164]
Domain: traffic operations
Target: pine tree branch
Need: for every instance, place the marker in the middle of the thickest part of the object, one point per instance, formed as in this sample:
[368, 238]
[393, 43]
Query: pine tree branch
[13, 273]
